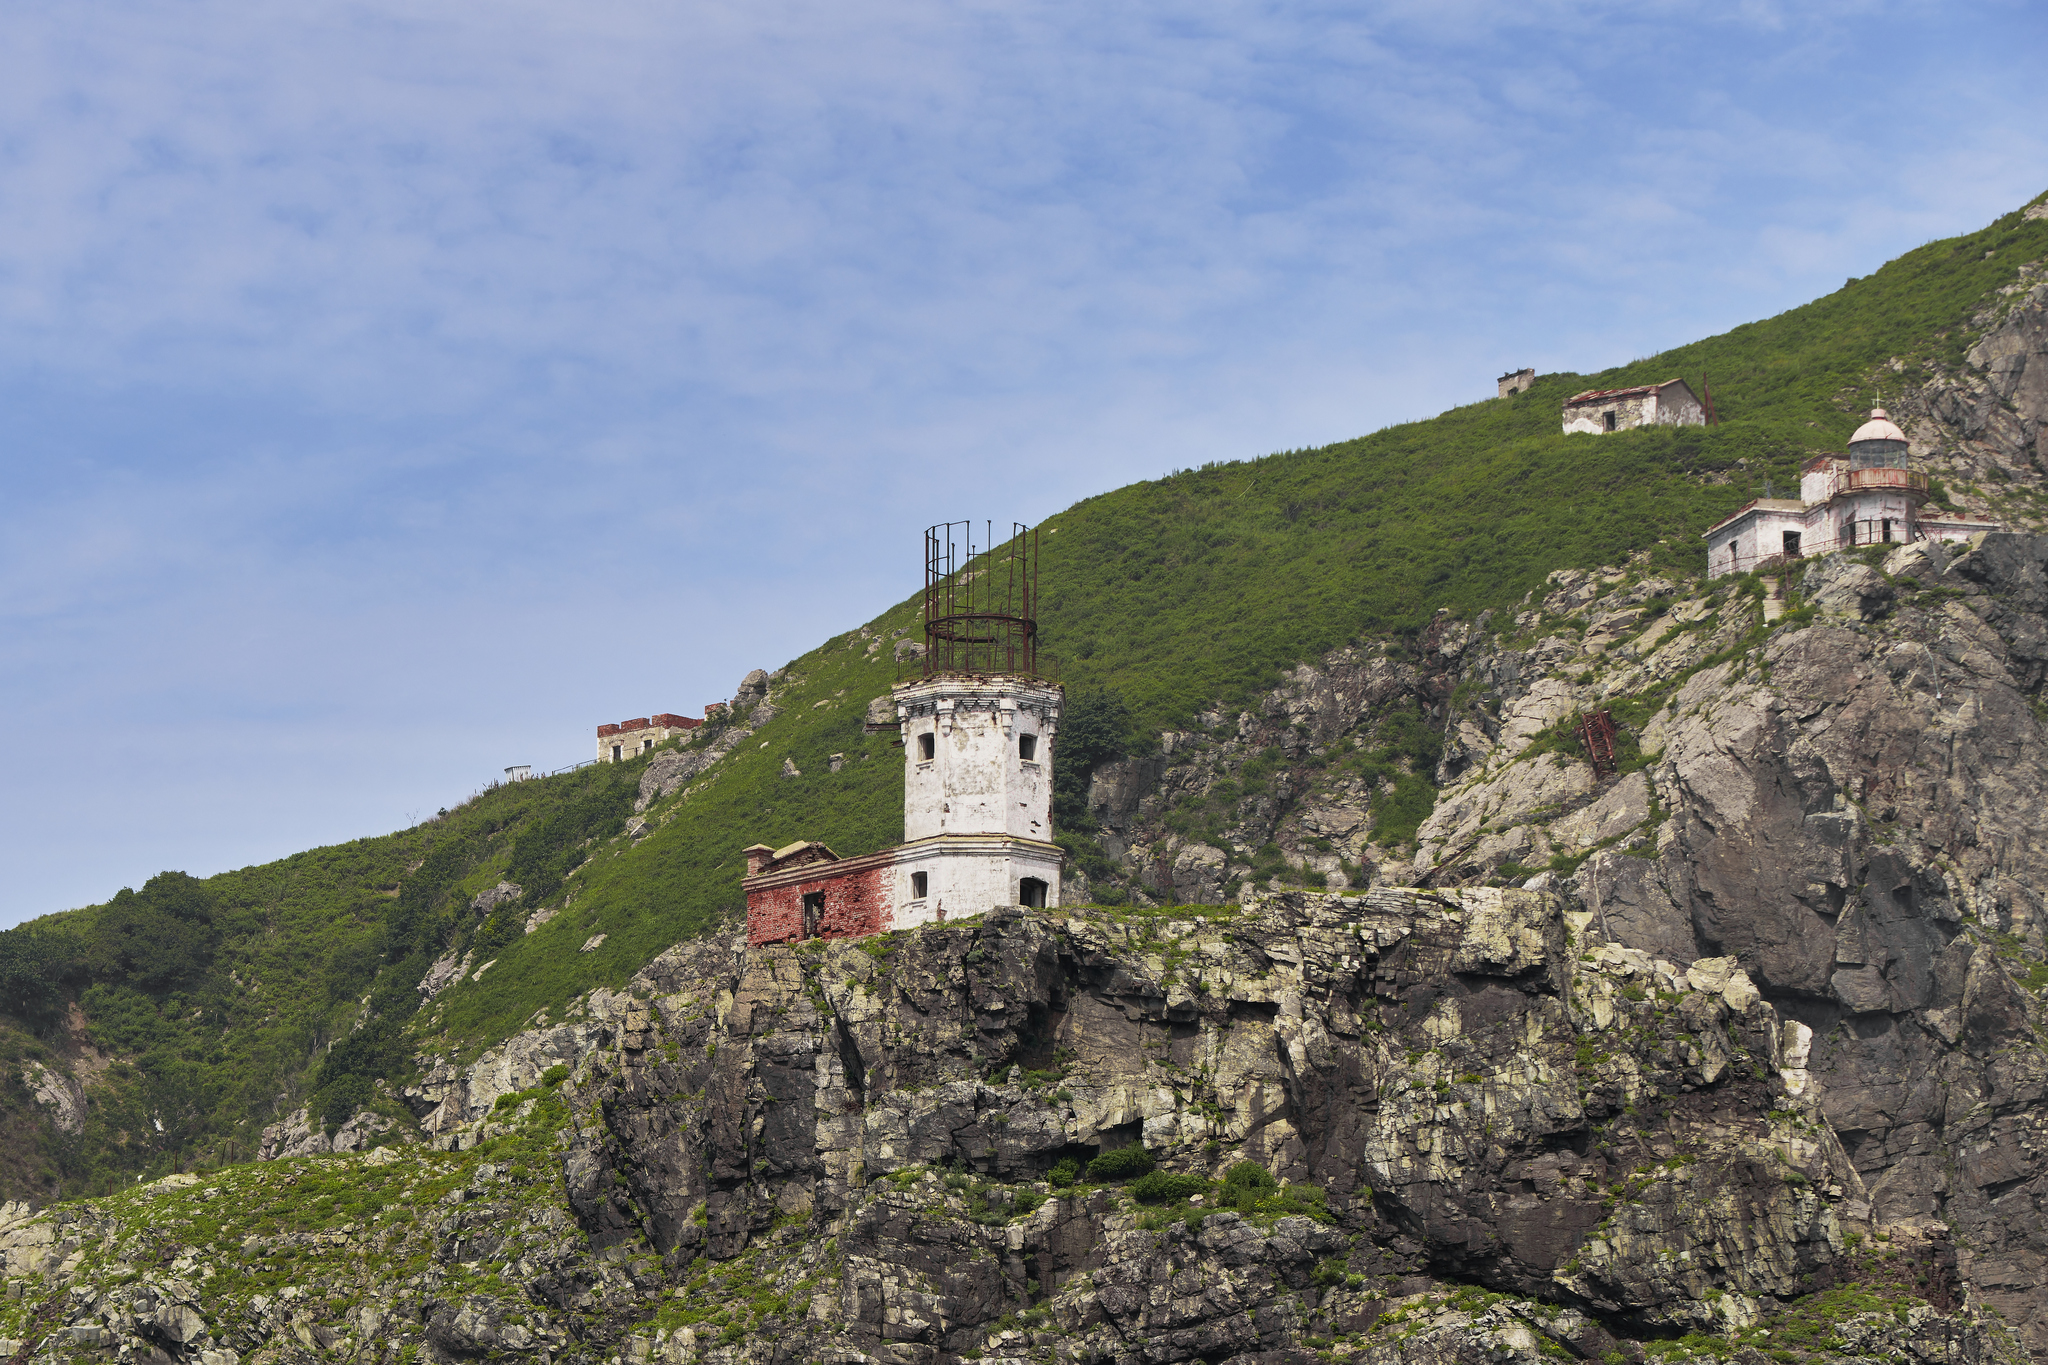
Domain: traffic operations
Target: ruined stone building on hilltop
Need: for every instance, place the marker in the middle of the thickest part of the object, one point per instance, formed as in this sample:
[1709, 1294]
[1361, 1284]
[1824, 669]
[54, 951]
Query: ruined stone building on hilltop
[617, 743]
[1669, 404]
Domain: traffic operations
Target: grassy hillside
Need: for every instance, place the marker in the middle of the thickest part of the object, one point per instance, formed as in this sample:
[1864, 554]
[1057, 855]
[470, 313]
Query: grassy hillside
[212, 997]
[1205, 584]
[218, 999]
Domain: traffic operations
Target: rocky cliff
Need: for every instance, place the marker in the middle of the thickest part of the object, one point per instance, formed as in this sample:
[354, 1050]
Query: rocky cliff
[1834, 779]
[1410, 1124]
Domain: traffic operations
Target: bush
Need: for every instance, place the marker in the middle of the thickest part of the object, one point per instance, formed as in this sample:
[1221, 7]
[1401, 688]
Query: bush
[339, 1101]
[34, 962]
[1064, 1173]
[1121, 1164]
[156, 939]
[1162, 1187]
[1249, 1177]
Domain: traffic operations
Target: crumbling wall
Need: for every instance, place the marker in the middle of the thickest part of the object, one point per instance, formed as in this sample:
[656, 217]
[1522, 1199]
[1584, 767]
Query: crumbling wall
[856, 902]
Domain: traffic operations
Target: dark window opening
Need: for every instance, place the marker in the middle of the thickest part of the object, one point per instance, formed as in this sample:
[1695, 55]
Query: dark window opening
[814, 912]
[1608, 417]
[1887, 530]
[1031, 893]
[617, 750]
[1792, 543]
[925, 747]
[1027, 747]
[919, 881]
[646, 744]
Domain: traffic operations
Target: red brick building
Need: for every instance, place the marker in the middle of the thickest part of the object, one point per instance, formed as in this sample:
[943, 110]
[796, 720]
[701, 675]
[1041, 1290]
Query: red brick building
[808, 891]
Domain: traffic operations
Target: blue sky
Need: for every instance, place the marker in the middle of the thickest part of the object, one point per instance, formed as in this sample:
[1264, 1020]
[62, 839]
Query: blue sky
[389, 393]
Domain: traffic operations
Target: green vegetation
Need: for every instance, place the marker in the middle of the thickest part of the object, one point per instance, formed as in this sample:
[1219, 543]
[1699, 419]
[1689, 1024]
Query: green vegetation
[1160, 1187]
[1812, 1328]
[216, 997]
[1204, 584]
[1120, 1164]
[324, 1223]
[1247, 1188]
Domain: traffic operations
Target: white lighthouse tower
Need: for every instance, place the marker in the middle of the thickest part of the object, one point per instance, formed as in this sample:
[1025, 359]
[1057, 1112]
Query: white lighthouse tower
[977, 729]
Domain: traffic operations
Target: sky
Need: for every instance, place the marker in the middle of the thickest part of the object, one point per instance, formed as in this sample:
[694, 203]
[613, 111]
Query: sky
[390, 393]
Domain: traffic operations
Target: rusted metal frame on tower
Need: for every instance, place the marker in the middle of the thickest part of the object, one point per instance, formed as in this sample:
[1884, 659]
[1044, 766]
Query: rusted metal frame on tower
[970, 630]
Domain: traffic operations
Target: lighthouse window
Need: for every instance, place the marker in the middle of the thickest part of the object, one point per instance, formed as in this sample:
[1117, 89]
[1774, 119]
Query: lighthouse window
[1887, 530]
[1031, 893]
[1027, 747]
[1792, 543]
[617, 749]
[1608, 417]
[918, 882]
[925, 747]
[814, 912]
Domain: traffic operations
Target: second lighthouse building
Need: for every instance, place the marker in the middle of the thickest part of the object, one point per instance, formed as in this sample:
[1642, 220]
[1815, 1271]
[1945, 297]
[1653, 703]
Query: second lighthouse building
[977, 729]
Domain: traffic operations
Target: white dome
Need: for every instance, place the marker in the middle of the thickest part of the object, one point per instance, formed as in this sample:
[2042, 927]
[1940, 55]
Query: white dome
[1880, 427]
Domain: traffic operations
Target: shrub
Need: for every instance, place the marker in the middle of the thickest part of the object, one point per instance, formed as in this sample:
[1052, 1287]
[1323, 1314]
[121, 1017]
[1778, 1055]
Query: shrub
[1249, 1177]
[1121, 1164]
[1064, 1173]
[1162, 1187]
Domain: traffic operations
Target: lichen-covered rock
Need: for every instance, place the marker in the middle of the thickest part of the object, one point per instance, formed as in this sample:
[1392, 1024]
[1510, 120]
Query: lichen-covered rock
[1424, 1124]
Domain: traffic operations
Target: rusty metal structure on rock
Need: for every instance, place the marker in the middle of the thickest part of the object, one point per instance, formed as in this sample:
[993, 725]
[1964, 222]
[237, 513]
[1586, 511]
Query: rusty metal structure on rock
[981, 604]
[1597, 733]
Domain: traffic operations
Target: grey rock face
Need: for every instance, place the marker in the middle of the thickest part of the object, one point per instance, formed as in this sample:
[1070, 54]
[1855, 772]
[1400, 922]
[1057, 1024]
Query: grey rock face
[296, 1135]
[1349, 1044]
[1848, 809]
[59, 1092]
[486, 901]
[840, 1152]
[1979, 428]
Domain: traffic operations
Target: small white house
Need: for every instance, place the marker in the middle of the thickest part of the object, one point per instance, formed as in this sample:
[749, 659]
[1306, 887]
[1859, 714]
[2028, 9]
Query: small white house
[1669, 404]
[1868, 497]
